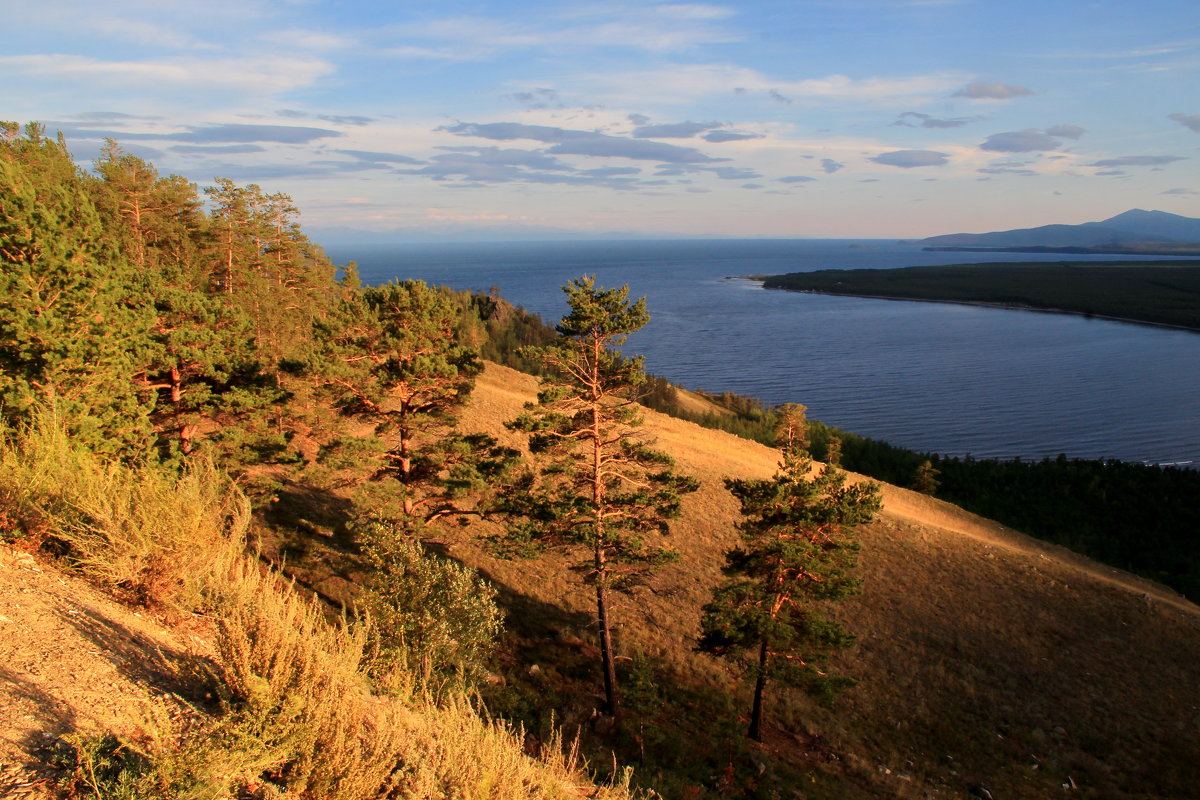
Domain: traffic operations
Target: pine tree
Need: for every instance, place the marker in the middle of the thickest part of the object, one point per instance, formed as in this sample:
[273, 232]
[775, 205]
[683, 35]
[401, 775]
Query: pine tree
[926, 480]
[73, 328]
[798, 553]
[204, 366]
[390, 357]
[601, 489]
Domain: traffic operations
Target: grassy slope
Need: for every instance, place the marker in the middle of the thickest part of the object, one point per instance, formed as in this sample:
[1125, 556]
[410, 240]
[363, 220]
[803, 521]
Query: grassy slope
[984, 655]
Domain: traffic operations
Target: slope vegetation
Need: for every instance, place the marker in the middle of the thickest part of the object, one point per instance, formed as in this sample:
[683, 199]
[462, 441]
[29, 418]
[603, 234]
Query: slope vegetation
[984, 656]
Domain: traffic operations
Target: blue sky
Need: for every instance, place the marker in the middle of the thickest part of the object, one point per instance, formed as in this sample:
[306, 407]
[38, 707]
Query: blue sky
[827, 118]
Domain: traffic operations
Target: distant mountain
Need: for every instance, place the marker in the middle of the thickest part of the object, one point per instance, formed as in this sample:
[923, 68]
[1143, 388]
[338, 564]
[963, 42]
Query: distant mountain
[1132, 227]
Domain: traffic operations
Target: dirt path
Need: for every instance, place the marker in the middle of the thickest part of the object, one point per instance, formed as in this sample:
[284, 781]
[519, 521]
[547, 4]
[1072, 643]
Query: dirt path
[70, 659]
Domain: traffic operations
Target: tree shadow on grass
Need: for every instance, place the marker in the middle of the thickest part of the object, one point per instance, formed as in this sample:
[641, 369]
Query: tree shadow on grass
[143, 661]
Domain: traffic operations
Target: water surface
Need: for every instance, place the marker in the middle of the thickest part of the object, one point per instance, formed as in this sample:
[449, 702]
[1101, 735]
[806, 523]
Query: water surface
[928, 376]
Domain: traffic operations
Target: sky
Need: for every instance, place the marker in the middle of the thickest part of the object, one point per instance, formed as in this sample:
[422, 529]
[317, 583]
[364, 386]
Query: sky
[456, 119]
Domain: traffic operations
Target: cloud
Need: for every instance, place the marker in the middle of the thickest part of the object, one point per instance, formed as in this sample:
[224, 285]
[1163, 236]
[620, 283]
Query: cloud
[214, 134]
[1181, 191]
[914, 119]
[282, 134]
[1025, 141]
[1111, 172]
[654, 28]
[795, 179]
[1066, 131]
[991, 91]
[583, 143]
[481, 166]
[1189, 121]
[538, 98]
[336, 119]
[682, 83]
[734, 173]
[716, 137]
[1006, 171]
[108, 116]
[911, 158]
[830, 166]
[216, 149]
[267, 74]
[512, 156]
[1136, 161]
[673, 130]
[378, 158]
[752, 186]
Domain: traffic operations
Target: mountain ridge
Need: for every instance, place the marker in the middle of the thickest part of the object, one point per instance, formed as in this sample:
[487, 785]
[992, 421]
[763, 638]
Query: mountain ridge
[1135, 226]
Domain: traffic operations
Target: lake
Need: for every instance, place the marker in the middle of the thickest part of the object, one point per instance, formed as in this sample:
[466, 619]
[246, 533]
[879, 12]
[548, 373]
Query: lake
[937, 377]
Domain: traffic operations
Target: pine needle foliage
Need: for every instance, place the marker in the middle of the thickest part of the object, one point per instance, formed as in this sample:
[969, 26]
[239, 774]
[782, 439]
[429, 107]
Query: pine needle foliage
[391, 357]
[798, 554]
[601, 490]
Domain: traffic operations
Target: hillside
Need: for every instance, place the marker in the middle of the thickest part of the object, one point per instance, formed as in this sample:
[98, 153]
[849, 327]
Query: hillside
[984, 656]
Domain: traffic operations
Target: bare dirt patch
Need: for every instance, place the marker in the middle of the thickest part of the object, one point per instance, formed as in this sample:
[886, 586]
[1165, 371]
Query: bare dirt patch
[73, 660]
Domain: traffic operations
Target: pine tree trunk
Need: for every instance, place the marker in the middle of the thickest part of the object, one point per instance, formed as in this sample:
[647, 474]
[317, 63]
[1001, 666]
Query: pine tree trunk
[760, 686]
[606, 648]
[185, 430]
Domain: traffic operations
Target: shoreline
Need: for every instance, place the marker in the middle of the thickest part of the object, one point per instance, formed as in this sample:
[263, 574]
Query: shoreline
[979, 304]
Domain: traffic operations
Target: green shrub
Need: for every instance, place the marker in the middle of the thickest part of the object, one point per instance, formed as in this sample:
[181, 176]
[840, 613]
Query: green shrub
[430, 616]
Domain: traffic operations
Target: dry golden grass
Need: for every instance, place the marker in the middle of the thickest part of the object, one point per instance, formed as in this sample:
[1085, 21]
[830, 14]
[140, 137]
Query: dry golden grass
[296, 718]
[984, 656]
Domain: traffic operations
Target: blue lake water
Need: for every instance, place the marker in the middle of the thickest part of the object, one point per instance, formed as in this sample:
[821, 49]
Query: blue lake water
[929, 376]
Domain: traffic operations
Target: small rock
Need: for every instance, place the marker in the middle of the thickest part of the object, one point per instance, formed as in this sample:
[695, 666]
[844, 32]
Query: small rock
[980, 791]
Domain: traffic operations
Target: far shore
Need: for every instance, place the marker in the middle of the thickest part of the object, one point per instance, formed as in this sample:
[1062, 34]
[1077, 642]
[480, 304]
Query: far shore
[979, 303]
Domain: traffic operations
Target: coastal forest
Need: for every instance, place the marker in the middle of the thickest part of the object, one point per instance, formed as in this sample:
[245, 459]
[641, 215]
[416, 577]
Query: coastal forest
[1155, 292]
[426, 545]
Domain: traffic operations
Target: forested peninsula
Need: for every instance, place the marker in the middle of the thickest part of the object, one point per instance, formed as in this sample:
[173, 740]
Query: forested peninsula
[1153, 292]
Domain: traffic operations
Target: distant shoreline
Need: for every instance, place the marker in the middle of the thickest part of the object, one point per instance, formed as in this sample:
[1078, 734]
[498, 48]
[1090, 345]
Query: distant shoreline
[1157, 293]
[980, 304]
[1066, 250]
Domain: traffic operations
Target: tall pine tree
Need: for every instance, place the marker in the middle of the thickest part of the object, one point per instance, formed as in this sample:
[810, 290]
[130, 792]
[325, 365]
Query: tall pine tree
[74, 329]
[601, 491]
[391, 357]
[798, 553]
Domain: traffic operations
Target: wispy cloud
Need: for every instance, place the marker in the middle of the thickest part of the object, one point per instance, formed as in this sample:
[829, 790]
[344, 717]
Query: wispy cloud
[1189, 121]
[1136, 161]
[1026, 141]
[911, 158]
[266, 74]
[991, 91]
[673, 130]
[915, 119]
[584, 143]
[655, 28]
[683, 83]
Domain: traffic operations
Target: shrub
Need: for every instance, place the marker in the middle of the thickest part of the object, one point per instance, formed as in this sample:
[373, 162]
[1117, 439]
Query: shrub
[430, 615]
[143, 532]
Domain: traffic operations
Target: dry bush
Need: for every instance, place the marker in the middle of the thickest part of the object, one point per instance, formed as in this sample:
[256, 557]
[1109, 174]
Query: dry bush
[144, 532]
[297, 718]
